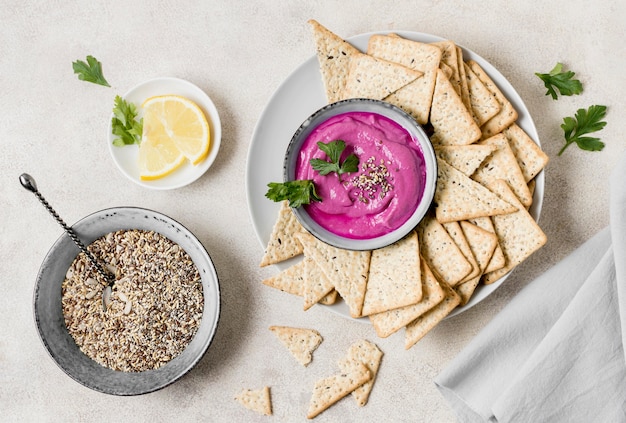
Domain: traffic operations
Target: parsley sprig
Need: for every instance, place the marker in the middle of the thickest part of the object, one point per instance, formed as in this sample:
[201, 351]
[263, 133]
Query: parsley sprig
[584, 122]
[298, 192]
[90, 71]
[124, 124]
[556, 79]
[333, 150]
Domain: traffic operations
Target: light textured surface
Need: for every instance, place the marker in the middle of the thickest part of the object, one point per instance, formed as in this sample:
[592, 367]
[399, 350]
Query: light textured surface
[54, 126]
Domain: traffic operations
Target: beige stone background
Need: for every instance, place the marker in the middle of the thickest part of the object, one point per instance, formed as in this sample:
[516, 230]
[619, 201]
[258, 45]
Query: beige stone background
[54, 126]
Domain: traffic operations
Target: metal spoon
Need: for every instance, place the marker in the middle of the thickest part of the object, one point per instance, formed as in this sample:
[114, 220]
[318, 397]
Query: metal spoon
[28, 182]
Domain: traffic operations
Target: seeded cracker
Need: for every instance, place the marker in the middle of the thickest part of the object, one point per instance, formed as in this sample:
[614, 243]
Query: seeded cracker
[518, 234]
[394, 276]
[441, 253]
[258, 400]
[329, 390]
[452, 122]
[369, 77]
[465, 94]
[457, 197]
[418, 328]
[368, 354]
[333, 54]
[529, 155]
[450, 58]
[391, 321]
[457, 235]
[482, 102]
[502, 164]
[483, 245]
[415, 98]
[316, 285]
[292, 281]
[283, 244]
[497, 260]
[507, 114]
[300, 342]
[346, 269]
[466, 158]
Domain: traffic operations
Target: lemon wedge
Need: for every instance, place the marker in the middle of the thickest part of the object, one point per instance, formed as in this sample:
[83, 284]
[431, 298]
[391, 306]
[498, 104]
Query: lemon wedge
[174, 129]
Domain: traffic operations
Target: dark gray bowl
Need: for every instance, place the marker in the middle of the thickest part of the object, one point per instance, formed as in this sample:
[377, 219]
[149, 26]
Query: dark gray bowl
[49, 314]
[400, 117]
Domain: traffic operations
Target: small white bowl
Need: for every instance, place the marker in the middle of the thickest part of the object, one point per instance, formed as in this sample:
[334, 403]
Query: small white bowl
[398, 116]
[126, 157]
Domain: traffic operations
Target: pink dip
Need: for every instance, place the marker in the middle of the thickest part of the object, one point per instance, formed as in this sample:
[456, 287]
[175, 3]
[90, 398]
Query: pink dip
[386, 190]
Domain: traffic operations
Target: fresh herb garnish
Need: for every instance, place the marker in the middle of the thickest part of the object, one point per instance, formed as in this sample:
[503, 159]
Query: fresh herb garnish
[91, 71]
[584, 122]
[124, 124]
[333, 150]
[298, 192]
[560, 80]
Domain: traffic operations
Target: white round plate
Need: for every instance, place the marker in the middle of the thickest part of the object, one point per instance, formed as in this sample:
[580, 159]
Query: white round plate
[126, 157]
[301, 94]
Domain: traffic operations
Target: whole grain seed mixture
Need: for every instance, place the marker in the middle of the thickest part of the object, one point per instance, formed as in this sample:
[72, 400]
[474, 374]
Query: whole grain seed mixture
[154, 310]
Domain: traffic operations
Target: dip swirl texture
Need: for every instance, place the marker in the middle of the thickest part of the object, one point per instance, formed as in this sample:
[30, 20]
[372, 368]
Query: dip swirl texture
[385, 191]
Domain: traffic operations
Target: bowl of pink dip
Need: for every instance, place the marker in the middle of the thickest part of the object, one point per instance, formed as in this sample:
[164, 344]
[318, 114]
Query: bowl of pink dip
[383, 197]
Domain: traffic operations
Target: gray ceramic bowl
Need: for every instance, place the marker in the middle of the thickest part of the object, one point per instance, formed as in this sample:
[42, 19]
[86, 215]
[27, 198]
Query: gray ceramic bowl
[398, 116]
[49, 314]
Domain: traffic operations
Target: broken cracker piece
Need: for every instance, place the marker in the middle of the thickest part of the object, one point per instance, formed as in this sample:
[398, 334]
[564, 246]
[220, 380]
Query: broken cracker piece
[256, 400]
[299, 341]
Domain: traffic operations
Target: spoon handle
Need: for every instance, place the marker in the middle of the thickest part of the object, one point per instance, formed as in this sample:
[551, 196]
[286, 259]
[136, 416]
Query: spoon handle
[28, 182]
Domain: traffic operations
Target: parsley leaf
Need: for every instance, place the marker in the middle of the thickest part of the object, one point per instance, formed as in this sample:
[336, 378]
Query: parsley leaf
[90, 71]
[333, 150]
[298, 192]
[583, 123]
[124, 124]
[560, 80]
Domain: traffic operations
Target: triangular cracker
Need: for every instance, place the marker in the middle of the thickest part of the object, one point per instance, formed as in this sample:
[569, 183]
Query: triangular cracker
[452, 122]
[256, 400]
[465, 93]
[368, 354]
[466, 158]
[391, 321]
[418, 328]
[507, 114]
[394, 276]
[450, 58]
[316, 283]
[457, 197]
[290, 280]
[518, 233]
[329, 390]
[299, 341]
[497, 260]
[415, 98]
[529, 155]
[502, 164]
[483, 244]
[346, 269]
[483, 104]
[374, 78]
[457, 235]
[333, 55]
[443, 256]
[282, 244]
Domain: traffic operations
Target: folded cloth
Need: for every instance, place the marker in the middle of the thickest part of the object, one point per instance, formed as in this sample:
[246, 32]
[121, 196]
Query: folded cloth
[555, 353]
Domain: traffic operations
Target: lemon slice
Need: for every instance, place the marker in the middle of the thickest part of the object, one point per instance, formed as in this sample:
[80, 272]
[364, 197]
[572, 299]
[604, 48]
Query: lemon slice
[174, 129]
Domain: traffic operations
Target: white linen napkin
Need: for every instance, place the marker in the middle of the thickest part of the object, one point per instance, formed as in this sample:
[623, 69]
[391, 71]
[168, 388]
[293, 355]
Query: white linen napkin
[555, 353]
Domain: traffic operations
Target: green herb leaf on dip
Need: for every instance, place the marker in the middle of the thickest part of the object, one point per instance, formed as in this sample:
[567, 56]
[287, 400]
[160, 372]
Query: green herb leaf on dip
[91, 71]
[124, 124]
[560, 80]
[333, 150]
[297, 192]
[583, 123]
